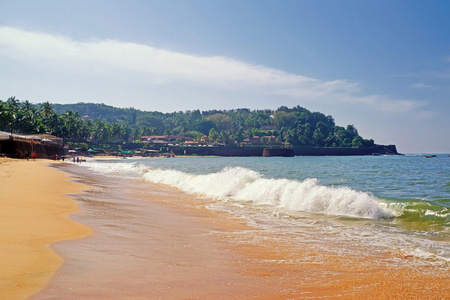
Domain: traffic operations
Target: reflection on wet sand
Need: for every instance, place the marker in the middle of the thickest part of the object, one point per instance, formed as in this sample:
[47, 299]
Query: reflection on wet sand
[156, 242]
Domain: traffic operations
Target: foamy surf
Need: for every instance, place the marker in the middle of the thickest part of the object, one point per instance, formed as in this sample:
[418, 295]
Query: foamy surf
[241, 184]
[259, 192]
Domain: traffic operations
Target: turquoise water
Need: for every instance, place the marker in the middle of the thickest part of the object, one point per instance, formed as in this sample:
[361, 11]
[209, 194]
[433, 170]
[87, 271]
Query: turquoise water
[410, 177]
[398, 202]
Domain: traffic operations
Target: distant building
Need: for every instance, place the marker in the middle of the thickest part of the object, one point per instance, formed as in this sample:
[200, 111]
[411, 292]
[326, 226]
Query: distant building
[196, 143]
[165, 140]
[265, 140]
[268, 127]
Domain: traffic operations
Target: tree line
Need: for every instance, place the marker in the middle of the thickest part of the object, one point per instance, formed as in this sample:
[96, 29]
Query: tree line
[96, 124]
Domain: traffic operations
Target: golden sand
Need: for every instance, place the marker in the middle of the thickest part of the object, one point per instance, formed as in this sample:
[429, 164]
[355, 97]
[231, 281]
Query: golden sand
[34, 213]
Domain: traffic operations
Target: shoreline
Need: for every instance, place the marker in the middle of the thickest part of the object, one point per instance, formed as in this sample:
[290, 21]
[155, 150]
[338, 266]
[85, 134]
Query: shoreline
[151, 241]
[158, 242]
[34, 213]
[145, 247]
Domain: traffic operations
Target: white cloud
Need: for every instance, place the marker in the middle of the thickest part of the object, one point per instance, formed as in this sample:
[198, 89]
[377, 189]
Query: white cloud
[143, 63]
[384, 103]
[425, 115]
[421, 85]
[139, 58]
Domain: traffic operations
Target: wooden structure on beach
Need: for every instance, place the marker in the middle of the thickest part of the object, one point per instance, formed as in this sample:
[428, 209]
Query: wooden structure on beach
[23, 146]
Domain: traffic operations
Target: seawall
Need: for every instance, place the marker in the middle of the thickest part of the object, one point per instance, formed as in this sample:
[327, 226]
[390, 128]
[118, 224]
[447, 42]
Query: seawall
[300, 151]
[323, 151]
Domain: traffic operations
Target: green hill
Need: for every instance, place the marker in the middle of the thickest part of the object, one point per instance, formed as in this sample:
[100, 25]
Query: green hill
[100, 123]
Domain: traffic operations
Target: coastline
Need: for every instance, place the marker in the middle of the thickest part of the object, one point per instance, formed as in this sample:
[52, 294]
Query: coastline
[151, 241]
[34, 213]
[145, 247]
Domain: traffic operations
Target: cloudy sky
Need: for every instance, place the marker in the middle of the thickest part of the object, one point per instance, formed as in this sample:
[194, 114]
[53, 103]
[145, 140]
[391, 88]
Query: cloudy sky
[382, 65]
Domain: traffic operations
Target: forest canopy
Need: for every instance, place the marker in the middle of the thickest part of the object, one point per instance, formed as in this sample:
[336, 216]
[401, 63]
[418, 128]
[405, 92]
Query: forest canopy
[99, 124]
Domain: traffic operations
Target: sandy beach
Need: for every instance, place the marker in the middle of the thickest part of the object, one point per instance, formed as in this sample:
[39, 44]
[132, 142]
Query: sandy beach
[154, 242]
[34, 213]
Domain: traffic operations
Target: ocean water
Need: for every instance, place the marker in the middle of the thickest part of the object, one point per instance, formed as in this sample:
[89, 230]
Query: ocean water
[371, 203]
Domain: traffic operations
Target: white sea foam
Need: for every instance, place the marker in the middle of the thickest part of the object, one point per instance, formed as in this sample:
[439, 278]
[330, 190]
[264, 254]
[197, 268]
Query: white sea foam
[241, 184]
[115, 167]
[257, 198]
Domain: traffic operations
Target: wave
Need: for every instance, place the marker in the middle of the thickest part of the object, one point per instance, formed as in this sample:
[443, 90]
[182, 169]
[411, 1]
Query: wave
[241, 184]
[422, 215]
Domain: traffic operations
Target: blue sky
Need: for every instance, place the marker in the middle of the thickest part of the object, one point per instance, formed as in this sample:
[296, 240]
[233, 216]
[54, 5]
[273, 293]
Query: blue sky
[383, 66]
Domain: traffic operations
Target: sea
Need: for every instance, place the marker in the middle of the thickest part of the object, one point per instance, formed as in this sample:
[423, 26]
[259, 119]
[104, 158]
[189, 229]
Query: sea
[378, 204]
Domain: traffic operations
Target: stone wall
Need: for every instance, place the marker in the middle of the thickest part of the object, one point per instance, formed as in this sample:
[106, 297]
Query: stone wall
[323, 151]
[301, 151]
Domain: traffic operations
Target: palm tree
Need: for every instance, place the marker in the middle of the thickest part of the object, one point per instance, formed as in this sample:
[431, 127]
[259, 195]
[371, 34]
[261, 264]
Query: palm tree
[49, 117]
[14, 113]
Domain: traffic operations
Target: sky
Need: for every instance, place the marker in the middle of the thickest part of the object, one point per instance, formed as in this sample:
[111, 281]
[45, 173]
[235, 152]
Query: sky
[383, 66]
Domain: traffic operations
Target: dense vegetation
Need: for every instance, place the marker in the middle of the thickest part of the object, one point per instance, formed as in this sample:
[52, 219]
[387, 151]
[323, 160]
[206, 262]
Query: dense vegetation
[95, 124]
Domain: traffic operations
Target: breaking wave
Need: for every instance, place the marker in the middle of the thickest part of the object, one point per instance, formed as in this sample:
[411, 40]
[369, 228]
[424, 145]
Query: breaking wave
[241, 184]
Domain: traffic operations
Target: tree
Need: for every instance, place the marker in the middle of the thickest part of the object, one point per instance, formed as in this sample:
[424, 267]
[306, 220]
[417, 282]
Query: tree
[213, 135]
[73, 123]
[368, 143]
[106, 124]
[136, 134]
[4, 115]
[31, 121]
[183, 129]
[148, 131]
[238, 134]
[204, 126]
[102, 131]
[283, 119]
[318, 138]
[13, 114]
[49, 117]
[127, 132]
[196, 135]
[47, 110]
[352, 129]
[357, 142]
[117, 132]
[223, 122]
[167, 132]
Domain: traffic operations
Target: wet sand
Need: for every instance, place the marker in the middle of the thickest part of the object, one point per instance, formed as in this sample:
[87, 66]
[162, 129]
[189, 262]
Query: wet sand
[154, 242]
[144, 248]
[34, 213]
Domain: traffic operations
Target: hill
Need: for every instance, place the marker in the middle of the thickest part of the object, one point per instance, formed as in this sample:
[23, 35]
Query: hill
[297, 126]
[99, 123]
